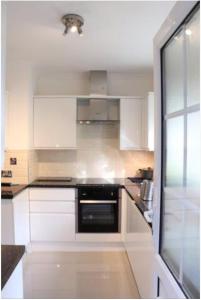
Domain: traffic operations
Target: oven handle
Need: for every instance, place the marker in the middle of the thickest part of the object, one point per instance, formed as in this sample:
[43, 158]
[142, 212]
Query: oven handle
[97, 201]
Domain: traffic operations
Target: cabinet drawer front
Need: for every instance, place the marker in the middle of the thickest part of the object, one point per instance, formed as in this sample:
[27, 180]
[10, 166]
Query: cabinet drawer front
[52, 227]
[52, 206]
[52, 194]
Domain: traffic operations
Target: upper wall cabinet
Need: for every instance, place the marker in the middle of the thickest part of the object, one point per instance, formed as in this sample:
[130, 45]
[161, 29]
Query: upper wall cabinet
[54, 123]
[131, 120]
[150, 121]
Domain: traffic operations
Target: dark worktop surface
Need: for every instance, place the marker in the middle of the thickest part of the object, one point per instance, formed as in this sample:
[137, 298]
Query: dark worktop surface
[10, 257]
[9, 192]
[60, 182]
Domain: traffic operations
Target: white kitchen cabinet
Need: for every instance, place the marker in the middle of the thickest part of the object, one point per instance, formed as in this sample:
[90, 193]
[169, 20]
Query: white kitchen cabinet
[55, 123]
[52, 206]
[15, 220]
[123, 213]
[52, 214]
[140, 250]
[52, 227]
[52, 194]
[131, 124]
[150, 121]
[13, 288]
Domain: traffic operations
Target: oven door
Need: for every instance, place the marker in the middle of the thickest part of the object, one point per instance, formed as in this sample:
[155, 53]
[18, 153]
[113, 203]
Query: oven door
[98, 216]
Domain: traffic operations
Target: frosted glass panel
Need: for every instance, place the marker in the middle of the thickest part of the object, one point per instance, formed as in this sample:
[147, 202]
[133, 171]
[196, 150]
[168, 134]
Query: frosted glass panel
[173, 73]
[191, 238]
[172, 231]
[174, 150]
[180, 237]
[193, 60]
[191, 251]
[193, 150]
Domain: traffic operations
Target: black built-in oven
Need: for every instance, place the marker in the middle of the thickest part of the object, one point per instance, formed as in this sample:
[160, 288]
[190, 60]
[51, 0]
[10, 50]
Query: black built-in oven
[98, 209]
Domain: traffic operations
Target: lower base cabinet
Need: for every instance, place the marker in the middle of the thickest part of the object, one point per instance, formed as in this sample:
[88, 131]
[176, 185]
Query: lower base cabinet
[13, 288]
[15, 220]
[52, 214]
[140, 249]
[52, 227]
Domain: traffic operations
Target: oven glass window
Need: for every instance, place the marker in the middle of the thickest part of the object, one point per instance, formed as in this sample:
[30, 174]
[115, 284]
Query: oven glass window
[98, 218]
[99, 214]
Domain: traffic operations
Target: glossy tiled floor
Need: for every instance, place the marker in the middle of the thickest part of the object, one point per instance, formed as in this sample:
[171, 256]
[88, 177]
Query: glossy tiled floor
[90, 275]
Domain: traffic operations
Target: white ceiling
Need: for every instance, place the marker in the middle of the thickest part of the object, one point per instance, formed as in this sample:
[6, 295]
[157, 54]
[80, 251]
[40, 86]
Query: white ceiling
[118, 35]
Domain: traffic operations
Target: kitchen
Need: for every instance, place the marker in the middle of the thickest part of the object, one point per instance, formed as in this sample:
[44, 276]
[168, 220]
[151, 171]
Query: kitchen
[82, 127]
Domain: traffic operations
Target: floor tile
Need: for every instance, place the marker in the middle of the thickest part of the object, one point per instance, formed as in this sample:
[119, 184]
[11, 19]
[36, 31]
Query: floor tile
[79, 275]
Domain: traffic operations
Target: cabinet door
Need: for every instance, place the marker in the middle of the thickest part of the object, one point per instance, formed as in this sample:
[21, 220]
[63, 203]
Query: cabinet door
[7, 222]
[52, 227]
[150, 123]
[55, 123]
[21, 218]
[13, 288]
[140, 249]
[130, 124]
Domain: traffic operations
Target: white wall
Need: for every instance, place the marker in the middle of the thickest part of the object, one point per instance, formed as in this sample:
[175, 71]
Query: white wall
[119, 83]
[19, 85]
[3, 77]
[130, 83]
[60, 83]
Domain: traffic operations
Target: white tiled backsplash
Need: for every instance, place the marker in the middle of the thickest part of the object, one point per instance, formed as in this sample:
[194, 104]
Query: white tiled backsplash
[26, 169]
[98, 155]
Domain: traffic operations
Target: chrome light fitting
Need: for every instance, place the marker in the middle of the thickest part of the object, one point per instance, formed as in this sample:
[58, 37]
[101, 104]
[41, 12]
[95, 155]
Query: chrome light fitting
[72, 23]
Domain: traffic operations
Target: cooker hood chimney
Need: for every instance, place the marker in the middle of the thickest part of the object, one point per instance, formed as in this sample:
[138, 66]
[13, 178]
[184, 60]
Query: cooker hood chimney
[98, 83]
[96, 107]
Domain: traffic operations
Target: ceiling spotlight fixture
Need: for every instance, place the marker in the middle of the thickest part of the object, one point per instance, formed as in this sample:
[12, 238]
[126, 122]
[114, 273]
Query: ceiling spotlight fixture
[72, 23]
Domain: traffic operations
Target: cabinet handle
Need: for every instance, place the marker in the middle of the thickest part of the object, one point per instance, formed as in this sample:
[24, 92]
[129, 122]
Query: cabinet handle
[97, 201]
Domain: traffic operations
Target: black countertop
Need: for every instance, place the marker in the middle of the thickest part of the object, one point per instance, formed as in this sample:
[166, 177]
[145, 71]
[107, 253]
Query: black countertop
[9, 192]
[10, 257]
[100, 181]
[52, 182]
[75, 182]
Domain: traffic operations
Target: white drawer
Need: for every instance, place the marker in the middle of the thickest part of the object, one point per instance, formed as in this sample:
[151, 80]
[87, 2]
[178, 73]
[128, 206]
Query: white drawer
[52, 206]
[52, 227]
[52, 194]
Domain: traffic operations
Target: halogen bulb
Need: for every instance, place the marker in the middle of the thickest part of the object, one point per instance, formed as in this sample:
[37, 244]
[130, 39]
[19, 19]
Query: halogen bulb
[188, 32]
[73, 28]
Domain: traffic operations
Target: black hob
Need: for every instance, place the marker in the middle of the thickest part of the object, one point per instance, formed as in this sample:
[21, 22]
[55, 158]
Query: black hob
[99, 181]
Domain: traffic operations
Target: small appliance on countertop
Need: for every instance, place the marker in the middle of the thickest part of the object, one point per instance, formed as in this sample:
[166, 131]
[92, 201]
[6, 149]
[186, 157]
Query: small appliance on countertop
[146, 173]
[141, 191]
[146, 190]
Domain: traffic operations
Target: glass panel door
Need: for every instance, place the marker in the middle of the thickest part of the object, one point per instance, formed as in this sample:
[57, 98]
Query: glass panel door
[179, 245]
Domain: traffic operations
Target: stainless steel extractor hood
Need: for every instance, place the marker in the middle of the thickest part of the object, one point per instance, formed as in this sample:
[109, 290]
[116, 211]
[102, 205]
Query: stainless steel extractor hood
[98, 83]
[97, 107]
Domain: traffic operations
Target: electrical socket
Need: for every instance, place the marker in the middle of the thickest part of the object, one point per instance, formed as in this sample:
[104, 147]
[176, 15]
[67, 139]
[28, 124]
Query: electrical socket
[13, 161]
[6, 173]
